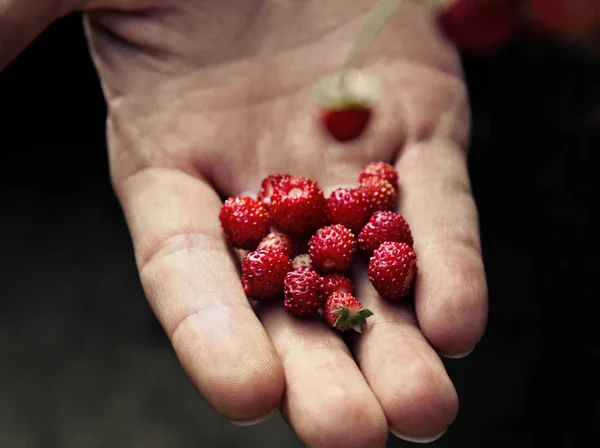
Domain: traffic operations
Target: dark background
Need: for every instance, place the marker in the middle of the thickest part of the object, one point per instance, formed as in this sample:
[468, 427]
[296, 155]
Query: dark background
[83, 363]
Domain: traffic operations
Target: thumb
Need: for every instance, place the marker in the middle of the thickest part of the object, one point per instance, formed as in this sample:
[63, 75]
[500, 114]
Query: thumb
[21, 21]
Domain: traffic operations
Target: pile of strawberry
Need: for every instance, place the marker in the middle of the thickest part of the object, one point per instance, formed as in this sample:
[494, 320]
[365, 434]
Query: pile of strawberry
[302, 245]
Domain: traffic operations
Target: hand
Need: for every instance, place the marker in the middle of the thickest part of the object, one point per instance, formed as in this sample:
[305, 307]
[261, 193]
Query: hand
[208, 97]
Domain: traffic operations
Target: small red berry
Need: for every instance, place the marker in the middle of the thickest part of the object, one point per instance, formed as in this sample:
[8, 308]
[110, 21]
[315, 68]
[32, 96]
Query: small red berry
[392, 270]
[348, 124]
[245, 222]
[479, 25]
[336, 283]
[267, 187]
[381, 194]
[384, 226]
[346, 102]
[278, 241]
[297, 206]
[302, 261]
[263, 273]
[303, 295]
[349, 207]
[332, 248]
[380, 170]
[343, 312]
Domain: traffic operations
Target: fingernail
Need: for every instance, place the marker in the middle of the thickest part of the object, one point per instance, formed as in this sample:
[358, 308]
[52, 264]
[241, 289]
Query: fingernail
[454, 356]
[418, 439]
[253, 422]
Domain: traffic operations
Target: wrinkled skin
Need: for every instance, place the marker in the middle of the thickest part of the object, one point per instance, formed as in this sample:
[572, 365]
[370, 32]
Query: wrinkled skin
[206, 97]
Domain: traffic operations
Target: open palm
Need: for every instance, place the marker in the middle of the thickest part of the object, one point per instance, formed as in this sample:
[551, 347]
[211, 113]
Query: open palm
[206, 98]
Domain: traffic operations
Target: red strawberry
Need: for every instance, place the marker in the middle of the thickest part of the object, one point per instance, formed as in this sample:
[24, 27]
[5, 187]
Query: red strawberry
[384, 226]
[267, 187]
[479, 25]
[245, 222]
[346, 104]
[302, 261]
[336, 283]
[380, 170]
[297, 206]
[278, 241]
[343, 312]
[347, 124]
[303, 295]
[392, 270]
[263, 273]
[380, 192]
[349, 207]
[332, 248]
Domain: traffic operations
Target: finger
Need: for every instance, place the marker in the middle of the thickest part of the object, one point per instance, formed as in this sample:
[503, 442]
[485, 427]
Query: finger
[194, 289]
[18, 26]
[325, 390]
[436, 199]
[327, 400]
[402, 369]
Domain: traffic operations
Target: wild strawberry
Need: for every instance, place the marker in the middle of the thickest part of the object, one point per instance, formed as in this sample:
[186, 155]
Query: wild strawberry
[392, 270]
[343, 312]
[349, 207]
[263, 273]
[479, 25]
[303, 295]
[245, 222]
[384, 226]
[380, 170]
[267, 187]
[346, 124]
[346, 103]
[297, 206]
[278, 241]
[380, 192]
[565, 18]
[302, 261]
[336, 283]
[332, 248]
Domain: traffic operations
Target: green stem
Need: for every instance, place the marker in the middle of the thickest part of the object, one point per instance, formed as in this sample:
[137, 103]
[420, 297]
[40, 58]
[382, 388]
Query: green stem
[376, 19]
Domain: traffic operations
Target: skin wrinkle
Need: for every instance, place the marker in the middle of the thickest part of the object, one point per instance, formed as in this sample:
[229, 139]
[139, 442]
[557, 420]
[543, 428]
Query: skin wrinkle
[148, 152]
[281, 99]
[178, 243]
[219, 310]
[235, 64]
[385, 328]
[215, 293]
[237, 372]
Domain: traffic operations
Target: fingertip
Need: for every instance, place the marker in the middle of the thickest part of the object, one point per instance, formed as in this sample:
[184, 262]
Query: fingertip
[456, 355]
[340, 416]
[418, 439]
[431, 405]
[235, 368]
[327, 402]
[451, 305]
[256, 421]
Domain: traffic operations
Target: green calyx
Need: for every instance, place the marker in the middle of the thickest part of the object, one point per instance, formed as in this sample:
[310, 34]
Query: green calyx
[351, 320]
